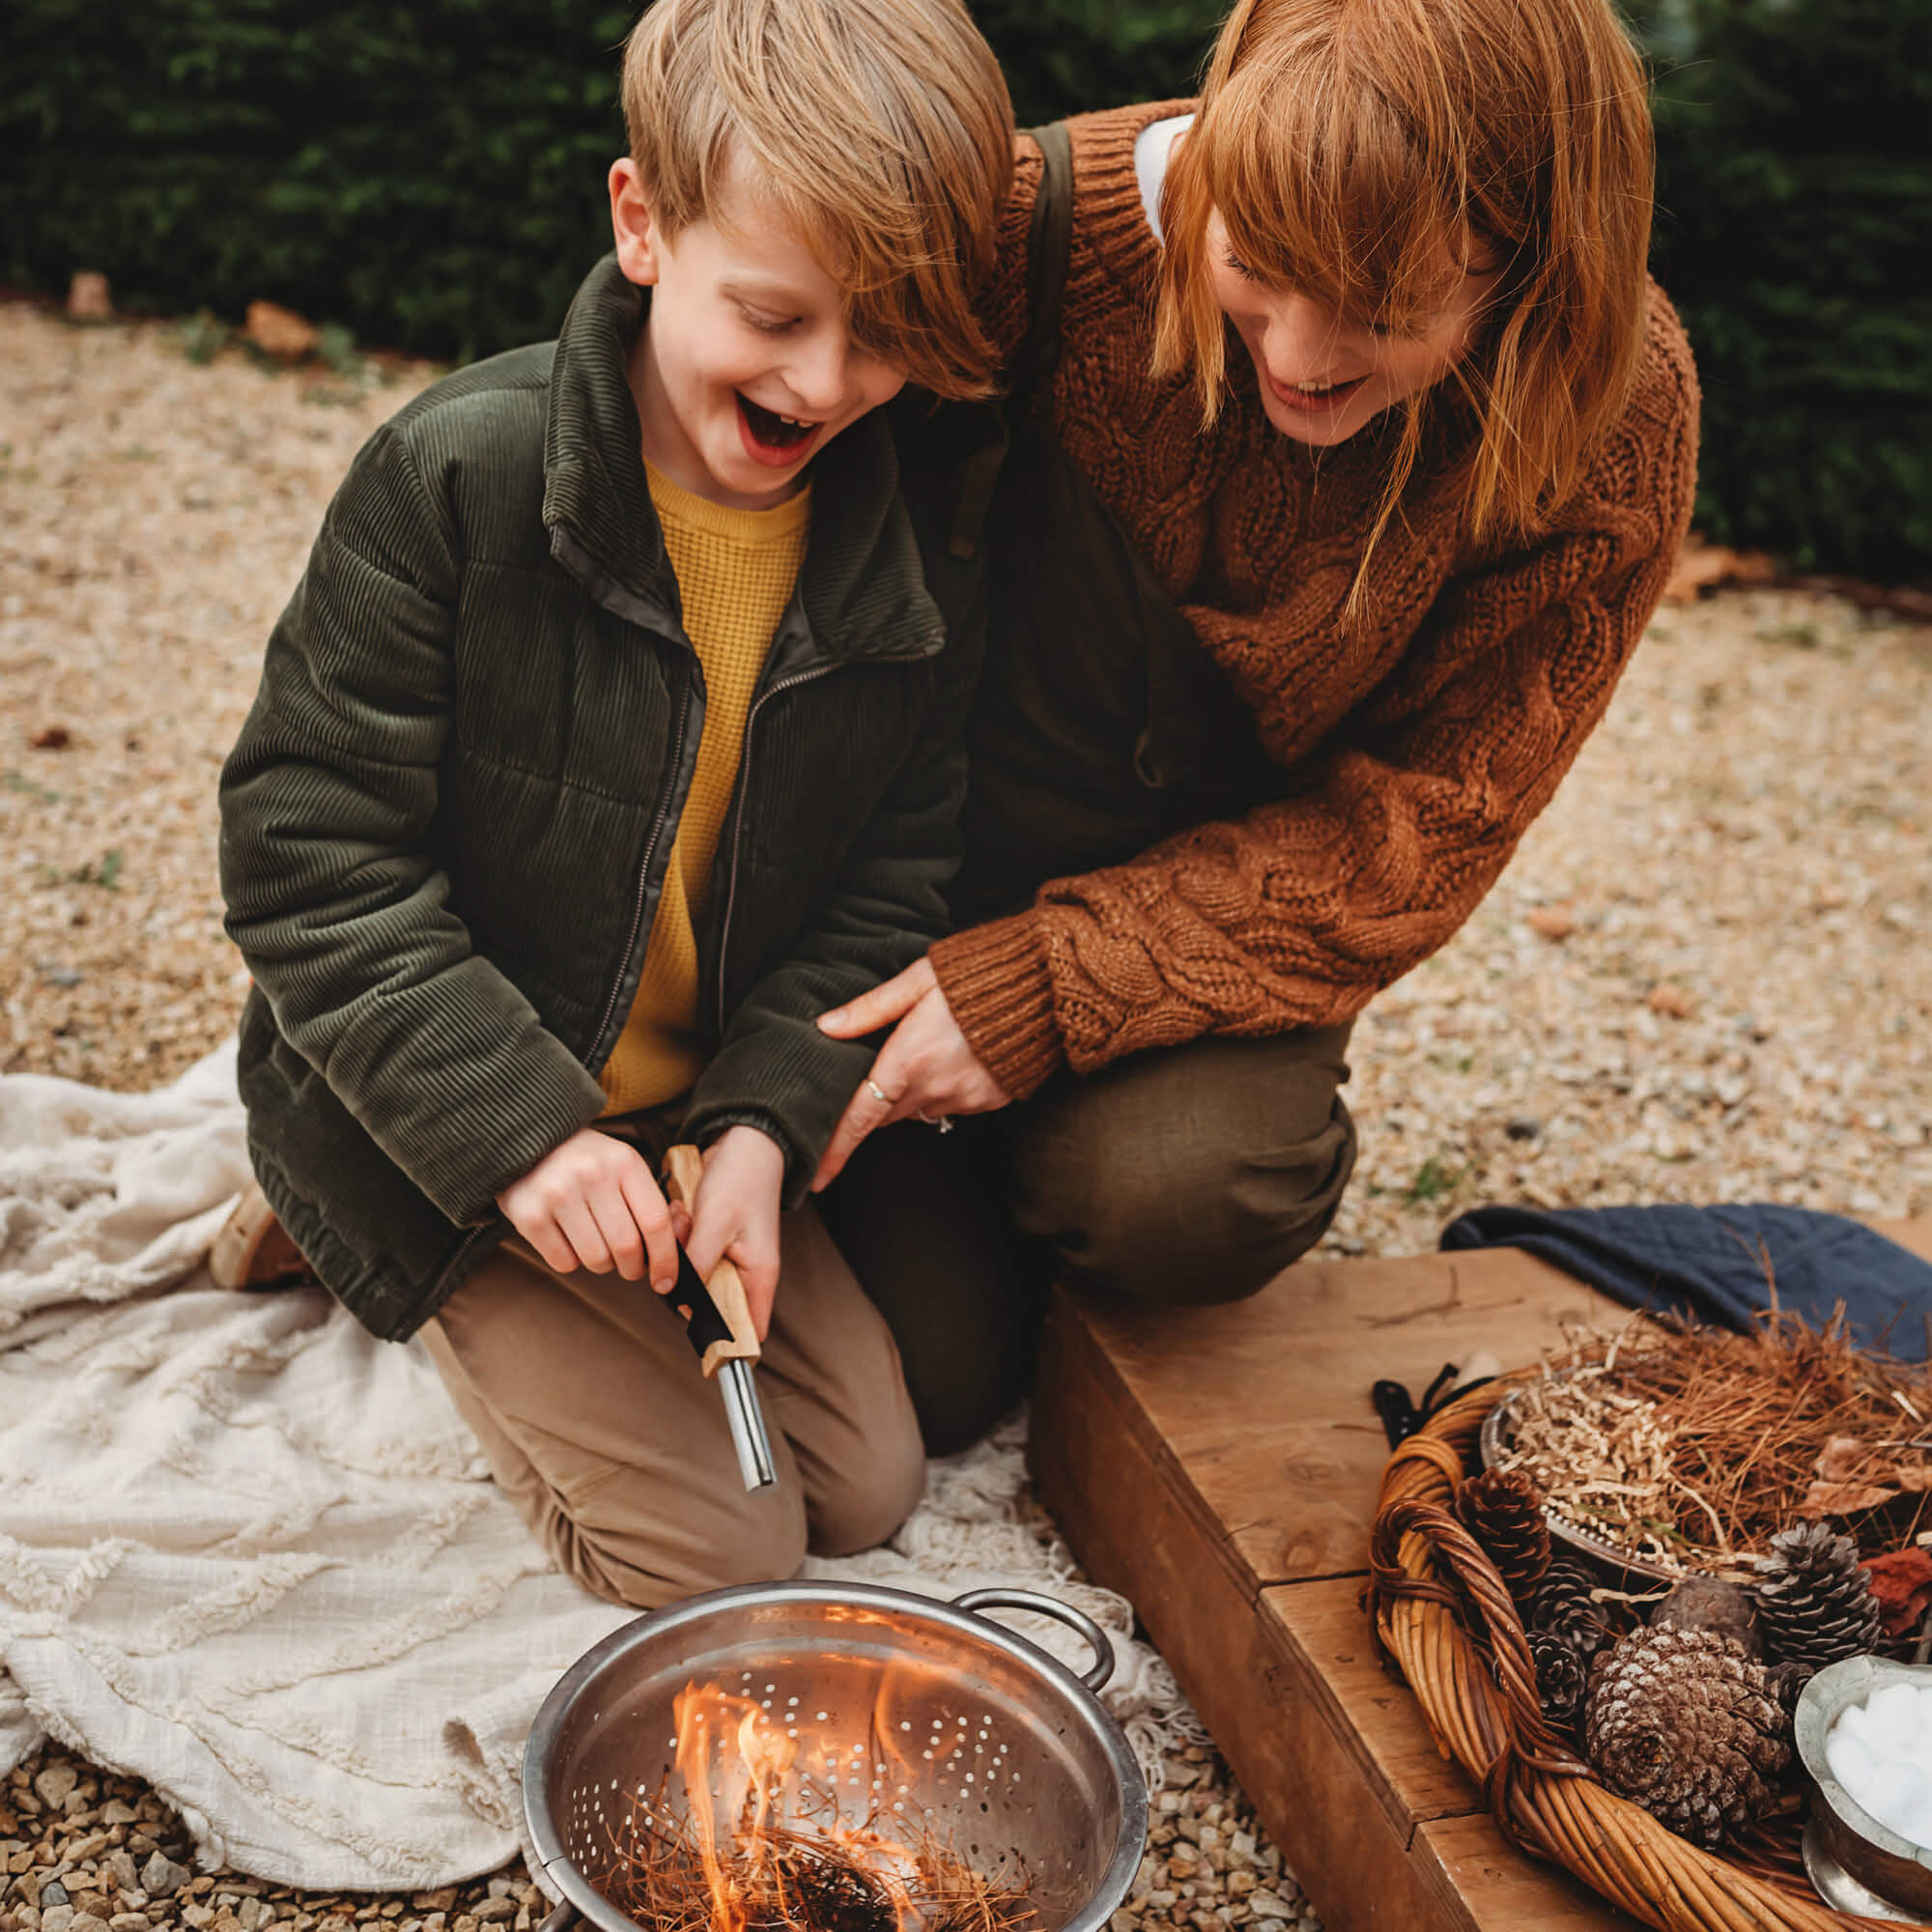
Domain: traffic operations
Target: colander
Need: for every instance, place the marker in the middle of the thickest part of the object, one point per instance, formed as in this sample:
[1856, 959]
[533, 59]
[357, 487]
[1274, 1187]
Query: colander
[917, 1714]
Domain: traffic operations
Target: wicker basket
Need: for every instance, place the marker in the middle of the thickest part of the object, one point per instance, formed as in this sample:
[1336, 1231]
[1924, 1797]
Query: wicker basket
[1477, 1687]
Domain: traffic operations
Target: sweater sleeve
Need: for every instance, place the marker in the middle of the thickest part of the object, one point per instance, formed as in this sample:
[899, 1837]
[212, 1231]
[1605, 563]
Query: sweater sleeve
[1298, 914]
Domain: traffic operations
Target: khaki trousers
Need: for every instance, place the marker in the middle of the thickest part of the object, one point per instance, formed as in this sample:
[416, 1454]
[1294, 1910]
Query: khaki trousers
[601, 1429]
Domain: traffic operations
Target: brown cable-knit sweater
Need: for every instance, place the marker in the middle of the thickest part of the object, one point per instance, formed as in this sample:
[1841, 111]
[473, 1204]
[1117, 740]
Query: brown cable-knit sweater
[1419, 744]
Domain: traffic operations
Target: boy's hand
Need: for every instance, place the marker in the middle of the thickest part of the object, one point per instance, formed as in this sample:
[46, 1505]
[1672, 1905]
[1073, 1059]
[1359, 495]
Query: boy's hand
[593, 1203]
[736, 1216]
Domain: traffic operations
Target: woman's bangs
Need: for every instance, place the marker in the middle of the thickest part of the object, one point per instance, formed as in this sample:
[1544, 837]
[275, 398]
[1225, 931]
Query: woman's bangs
[1322, 189]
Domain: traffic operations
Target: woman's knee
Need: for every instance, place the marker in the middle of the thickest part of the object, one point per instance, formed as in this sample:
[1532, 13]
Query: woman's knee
[1197, 1179]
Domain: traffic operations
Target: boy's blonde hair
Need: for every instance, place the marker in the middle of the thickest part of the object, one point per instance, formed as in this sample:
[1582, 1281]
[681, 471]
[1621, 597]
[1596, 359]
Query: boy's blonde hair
[1360, 150]
[882, 129]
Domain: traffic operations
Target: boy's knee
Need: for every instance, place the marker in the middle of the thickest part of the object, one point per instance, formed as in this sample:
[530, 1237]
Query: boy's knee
[657, 1559]
[1195, 1181]
[862, 1506]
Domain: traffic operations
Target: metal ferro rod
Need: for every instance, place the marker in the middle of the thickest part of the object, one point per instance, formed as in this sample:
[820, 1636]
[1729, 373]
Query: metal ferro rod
[745, 1415]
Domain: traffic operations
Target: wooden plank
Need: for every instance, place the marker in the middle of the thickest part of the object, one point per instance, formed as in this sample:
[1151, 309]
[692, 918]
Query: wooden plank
[1126, 1512]
[1325, 1645]
[1266, 1403]
[1474, 1870]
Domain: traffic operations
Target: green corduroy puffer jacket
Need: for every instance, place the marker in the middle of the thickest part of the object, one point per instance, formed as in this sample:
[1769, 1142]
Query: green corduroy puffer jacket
[448, 819]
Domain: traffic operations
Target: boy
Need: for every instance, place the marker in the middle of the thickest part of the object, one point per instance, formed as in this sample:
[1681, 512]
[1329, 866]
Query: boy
[610, 737]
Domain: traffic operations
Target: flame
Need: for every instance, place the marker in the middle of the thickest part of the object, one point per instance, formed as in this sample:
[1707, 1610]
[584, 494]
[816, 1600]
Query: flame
[746, 1774]
[731, 1757]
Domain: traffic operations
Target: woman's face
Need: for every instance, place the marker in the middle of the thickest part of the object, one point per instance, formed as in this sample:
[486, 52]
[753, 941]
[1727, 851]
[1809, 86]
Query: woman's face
[1321, 376]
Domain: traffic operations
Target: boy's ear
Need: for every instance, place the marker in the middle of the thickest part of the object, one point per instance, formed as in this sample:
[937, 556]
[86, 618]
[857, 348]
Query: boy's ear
[633, 224]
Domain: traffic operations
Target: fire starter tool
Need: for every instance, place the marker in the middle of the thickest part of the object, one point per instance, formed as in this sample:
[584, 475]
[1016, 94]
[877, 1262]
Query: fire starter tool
[717, 1318]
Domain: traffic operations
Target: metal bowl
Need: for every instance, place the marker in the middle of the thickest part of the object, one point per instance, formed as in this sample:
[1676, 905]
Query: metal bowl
[918, 1714]
[1493, 1443]
[1842, 1839]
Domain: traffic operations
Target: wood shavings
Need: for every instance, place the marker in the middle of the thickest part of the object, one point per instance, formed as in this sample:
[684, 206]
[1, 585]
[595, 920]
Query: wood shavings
[1689, 1449]
[1601, 1459]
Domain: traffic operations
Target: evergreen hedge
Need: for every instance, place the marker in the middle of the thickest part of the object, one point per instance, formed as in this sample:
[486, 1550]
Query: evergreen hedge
[1793, 232]
[430, 174]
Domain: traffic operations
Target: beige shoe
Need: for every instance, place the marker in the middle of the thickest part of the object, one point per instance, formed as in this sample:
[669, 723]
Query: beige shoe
[253, 1250]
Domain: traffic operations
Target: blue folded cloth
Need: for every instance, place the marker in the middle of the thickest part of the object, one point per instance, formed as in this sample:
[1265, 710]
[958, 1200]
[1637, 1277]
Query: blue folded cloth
[1710, 1263]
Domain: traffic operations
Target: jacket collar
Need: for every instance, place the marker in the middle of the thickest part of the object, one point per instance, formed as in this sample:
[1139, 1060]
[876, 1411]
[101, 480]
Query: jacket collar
[861, 588]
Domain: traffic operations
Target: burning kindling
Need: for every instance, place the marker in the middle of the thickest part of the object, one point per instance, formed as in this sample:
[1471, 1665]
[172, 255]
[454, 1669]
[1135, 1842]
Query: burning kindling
[756, 1847]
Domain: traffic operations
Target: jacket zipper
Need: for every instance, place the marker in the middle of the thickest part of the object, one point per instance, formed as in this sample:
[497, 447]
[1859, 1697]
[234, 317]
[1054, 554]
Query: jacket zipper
[758, 704]
[676, 765]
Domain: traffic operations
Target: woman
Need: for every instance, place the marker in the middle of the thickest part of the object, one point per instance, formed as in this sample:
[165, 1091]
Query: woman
[1359, 471]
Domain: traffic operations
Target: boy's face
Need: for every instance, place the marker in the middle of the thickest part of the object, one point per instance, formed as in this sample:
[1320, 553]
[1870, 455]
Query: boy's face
[745, 369]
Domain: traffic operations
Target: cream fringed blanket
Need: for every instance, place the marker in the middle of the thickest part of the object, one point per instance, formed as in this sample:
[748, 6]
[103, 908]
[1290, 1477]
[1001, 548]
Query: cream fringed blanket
[253, 1556]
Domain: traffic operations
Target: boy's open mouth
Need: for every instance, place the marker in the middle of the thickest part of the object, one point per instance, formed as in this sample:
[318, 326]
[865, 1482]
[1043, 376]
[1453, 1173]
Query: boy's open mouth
[772, 437]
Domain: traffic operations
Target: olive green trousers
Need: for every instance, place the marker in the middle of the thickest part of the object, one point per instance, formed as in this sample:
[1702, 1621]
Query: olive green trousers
[1181, 1175]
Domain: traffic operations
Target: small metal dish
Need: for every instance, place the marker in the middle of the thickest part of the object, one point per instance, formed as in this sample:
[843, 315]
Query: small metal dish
[1842, 1840]
[1492, 1444]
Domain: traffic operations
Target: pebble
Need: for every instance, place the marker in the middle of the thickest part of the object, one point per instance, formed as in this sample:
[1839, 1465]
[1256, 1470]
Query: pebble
[161, 1877]
[53, 1785]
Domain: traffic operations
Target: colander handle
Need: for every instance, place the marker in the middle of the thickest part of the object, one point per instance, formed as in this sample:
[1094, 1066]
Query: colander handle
[1078, 1621]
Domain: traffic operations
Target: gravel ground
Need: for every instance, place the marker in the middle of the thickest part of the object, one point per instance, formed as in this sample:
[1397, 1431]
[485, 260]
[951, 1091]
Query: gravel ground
[1703, 977]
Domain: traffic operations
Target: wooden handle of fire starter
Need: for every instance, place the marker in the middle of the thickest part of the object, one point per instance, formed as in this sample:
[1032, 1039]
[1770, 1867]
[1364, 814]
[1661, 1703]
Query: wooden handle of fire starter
[683, 1170]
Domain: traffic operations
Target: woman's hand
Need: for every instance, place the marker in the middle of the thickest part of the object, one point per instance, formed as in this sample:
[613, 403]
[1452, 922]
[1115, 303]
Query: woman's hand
[924, 1069]
[735, 1216]
[592, 1202]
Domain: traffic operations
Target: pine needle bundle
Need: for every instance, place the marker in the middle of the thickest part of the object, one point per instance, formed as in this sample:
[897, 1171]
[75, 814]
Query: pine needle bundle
[1692, 1448]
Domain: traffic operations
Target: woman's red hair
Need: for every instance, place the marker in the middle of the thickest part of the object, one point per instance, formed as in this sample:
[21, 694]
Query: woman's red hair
[1357, 150]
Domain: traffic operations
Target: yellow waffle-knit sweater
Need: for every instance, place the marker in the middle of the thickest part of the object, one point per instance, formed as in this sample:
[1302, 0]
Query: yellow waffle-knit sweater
[735, 572]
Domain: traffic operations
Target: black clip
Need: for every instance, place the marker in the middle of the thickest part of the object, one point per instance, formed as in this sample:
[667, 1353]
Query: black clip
[1401, 1416]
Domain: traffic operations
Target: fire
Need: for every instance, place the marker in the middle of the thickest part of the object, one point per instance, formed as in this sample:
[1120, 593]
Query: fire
[763, 1826]
[731, 1757]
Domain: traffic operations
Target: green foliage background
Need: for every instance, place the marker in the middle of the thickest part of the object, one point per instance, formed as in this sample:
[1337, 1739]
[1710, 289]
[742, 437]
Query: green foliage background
[429, 173]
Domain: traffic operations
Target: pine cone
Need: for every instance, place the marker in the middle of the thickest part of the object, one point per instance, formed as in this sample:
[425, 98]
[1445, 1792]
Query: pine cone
[1503, 1512]
[1561, 1677]
[1708, 1603]
[1564, 1607]
[1684, 1723]
[1815, 1602]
